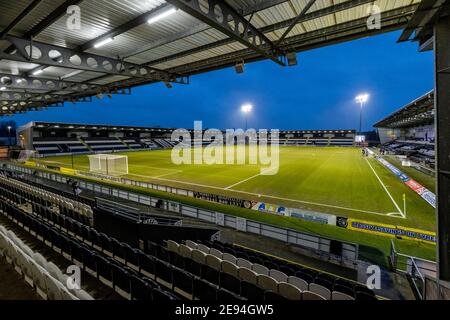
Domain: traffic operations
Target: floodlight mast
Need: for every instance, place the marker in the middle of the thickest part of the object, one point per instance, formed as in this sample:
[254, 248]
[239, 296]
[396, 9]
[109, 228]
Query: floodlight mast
[361, 99]
[246, 109]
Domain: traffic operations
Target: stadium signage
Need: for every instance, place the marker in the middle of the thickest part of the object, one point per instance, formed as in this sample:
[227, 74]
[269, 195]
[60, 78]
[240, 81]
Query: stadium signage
[391, 230]
[426, 194]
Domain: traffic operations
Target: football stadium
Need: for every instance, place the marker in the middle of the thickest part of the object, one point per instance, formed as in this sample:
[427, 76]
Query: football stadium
[103, 209]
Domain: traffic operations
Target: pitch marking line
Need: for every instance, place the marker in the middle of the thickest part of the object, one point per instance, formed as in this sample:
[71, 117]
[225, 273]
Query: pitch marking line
[242, 181]
[268, 196]
[387, 191]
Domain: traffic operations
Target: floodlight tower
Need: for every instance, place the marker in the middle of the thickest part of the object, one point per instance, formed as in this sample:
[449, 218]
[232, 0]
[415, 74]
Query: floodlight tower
[9, 135]
[361, 99]
[246, 109]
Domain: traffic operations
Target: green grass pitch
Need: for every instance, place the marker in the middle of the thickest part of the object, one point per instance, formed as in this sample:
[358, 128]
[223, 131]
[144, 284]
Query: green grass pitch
[331, 180]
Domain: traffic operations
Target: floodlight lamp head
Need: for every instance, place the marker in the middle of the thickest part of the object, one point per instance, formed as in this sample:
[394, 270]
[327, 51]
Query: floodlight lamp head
[362, 98]
[247, 108]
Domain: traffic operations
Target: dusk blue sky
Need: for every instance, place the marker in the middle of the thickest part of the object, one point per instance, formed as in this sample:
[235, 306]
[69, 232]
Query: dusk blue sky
[318, 93]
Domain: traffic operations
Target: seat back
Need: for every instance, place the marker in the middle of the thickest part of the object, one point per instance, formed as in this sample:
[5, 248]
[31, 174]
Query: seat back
[307, 295]
[267, 283]
[248, 275]
[320, 290]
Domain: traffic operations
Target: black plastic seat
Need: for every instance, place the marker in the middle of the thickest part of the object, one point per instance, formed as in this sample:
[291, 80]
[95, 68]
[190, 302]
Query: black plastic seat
[146, 263]
[304, 276]
[160, 295]
[204, 290]
[273, 296]
[76, 253]
[193, 267]
[227, 296]
[140, 289]
[324, 283]
[210, 275]
[163, 271]
[131, 255]
[182, 281]
[230, 283]
[251, 291]
[103, 268]
[105, 242]
[121, 278]
[89, 259]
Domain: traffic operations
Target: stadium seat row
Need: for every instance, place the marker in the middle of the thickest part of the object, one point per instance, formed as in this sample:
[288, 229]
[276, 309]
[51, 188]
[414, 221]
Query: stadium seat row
[45, 277]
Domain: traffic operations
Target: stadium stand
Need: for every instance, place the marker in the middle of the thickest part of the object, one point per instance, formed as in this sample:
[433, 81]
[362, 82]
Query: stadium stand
[410, 131]
[87, 138]
[204, 269]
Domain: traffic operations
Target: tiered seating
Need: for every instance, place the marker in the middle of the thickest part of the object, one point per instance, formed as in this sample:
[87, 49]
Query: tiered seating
[45, 277]
[134, 143]
[105, 144]
[272, 274]
[113, 263]
[149, 143]
[341, 142]
[164, 143]
[418, 151]
[58, 145]
[24, 193]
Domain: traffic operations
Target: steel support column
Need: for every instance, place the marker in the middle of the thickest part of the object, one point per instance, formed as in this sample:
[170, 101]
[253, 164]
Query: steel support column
[442, 118]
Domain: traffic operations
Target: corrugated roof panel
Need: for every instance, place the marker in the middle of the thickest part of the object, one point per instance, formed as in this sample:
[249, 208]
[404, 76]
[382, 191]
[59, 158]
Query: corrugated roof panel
[10, 9]
[142, 35]
[97, 18]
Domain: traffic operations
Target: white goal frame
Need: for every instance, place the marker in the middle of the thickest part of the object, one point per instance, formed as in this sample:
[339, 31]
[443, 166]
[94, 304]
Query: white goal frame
[27, 155]
[108, 164]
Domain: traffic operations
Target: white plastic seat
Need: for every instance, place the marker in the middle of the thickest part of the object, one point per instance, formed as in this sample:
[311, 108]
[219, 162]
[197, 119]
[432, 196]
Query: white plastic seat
[278, 275]
[230, 268]
[248, 275]
[53, 288]
[267, 283]
[83, 295]
[260, 269]
[218, 254]
[229, 257]
[320, 290]
[54, 271]
[40, 260]
[307, 295]
[213, 262]
[191, 244]
[336, 295]
[185, 251]
[172, 246]
[299, 283]
[289, 291]
[39, 279]
[203, 248]
[198, 256]
[244, 263]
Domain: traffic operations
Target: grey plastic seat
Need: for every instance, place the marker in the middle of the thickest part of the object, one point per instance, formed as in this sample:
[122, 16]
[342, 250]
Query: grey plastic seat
[289, 291]
[172, 246]
[229, 268]
[307, 295]
[278, 275]
[244, 263]
[185, 251]
[53, 288]
[267, 283]
[260, 269]
[299, 283]
[229, 257]
[218, 254]
[320, 290]
[336, 295]
[203, 248]
[191, 244]
[198, 256]
[213, 262]
[248, 275]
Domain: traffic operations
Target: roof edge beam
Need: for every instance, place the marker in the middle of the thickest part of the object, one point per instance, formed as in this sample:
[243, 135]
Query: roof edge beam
[222, 17]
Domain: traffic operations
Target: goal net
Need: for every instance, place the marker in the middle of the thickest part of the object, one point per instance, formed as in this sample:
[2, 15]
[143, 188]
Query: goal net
[27, 155]
[111, 165]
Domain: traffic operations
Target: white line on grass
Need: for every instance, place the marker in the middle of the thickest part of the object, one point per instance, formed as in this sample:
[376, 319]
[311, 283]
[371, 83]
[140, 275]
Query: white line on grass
[242, 181]
[385, 189]
[267, 196]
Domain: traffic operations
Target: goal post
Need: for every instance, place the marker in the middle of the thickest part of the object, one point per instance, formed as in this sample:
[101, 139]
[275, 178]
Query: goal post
[27, 155]
[112, 165]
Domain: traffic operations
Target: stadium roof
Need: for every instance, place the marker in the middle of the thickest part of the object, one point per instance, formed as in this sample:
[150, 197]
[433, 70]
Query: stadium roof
[78, 126]
[47, 61]
[416, 113]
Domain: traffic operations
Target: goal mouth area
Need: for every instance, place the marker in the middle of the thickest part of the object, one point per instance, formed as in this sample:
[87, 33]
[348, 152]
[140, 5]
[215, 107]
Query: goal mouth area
[108, 164]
